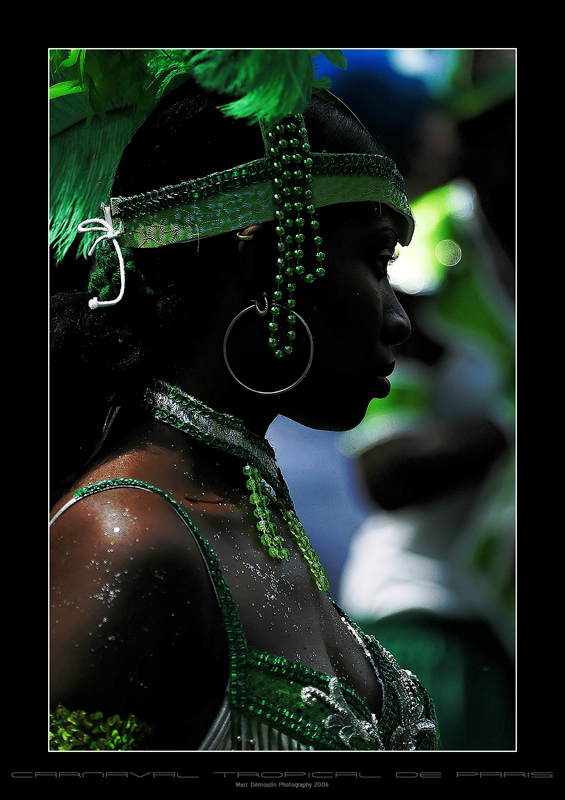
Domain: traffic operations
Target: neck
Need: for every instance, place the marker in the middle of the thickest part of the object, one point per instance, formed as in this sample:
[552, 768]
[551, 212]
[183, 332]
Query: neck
[229, 435]
[257, 413]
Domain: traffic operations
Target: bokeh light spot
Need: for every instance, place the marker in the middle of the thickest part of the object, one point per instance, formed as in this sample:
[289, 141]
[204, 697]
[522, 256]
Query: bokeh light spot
[448, 252]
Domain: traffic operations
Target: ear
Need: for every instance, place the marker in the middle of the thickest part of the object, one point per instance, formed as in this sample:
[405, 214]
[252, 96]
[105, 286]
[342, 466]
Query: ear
[257, 254]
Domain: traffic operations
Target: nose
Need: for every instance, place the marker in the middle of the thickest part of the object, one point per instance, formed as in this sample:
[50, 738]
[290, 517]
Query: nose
[396, 325]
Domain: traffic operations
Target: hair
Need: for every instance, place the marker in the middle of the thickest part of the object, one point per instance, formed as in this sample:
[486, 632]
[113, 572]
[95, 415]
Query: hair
[105, 358]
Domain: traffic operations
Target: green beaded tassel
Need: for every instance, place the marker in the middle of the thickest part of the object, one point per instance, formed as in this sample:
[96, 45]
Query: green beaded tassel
[266, 527]
[261, 495]
[288, 148]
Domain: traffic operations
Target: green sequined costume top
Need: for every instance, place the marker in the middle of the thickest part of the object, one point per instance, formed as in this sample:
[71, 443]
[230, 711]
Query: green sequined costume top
[272, 703]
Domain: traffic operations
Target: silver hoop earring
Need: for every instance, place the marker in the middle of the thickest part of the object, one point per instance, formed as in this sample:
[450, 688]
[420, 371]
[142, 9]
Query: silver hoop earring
[277, 391]
[265, 310]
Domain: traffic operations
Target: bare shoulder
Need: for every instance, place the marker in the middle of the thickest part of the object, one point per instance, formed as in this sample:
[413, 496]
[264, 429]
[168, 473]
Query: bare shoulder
[122, 535]
[133, 607]
[124, 515]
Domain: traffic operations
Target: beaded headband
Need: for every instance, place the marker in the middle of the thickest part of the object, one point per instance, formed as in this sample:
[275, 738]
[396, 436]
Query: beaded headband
[287, 185]
[257, 192]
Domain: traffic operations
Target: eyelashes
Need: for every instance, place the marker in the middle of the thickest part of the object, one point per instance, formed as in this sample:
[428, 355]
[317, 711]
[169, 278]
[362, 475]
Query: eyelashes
[383, 261]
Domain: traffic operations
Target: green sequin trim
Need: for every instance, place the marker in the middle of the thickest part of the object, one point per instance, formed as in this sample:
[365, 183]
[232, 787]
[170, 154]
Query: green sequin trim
[192, 191]
[277, 696]
[77, 730]
[220, 430]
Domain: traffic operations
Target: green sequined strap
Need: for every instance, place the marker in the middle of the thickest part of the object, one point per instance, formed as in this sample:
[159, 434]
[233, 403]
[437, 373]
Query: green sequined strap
[77, 730]
[307, 705]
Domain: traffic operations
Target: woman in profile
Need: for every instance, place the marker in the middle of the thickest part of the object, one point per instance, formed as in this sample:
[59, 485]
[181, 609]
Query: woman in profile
[241, 273]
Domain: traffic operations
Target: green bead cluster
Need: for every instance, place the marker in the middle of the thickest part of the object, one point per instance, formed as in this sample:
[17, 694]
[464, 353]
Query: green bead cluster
[259, 497]
[190, 191]
[77, 730]
[289, 150]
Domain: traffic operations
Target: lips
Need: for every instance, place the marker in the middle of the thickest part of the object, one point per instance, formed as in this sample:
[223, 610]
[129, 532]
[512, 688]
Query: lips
[381, 387]
[387, 370]
[382, 383]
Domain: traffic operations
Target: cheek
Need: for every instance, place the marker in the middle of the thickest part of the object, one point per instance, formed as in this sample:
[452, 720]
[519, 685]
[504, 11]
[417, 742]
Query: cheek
[349, 322]
[345, 325]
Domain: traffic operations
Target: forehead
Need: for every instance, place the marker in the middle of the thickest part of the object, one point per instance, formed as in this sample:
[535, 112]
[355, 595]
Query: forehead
[364, 218]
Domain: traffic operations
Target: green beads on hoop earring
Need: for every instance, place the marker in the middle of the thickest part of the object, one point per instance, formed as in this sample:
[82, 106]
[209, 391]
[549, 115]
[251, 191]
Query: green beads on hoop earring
[289, 151]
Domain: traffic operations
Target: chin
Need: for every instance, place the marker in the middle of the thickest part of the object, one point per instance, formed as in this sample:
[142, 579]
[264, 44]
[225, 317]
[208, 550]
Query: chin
[331, 416]
[337, 403]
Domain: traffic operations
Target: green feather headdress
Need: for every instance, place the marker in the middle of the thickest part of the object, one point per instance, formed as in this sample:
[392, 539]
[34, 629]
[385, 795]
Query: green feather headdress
[99, 98]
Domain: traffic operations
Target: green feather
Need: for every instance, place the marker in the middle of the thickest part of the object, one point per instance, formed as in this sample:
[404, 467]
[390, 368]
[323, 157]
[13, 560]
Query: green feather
[93, 113]
[335, 57]
[268, 84]
[82, 164]
[114, 90]
[107, 77]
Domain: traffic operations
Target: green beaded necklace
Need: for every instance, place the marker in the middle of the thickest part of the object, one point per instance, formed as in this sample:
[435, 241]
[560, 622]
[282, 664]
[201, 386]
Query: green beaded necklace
[263, 478]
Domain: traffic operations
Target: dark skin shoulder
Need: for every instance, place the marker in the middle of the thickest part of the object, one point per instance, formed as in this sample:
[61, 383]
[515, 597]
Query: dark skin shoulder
[135, 623]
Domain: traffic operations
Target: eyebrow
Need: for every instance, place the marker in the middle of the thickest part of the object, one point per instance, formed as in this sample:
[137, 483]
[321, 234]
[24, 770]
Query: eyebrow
[393, 224]
[388, 230]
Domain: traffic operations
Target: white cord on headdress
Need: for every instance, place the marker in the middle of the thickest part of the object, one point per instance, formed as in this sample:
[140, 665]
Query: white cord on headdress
[109, 234]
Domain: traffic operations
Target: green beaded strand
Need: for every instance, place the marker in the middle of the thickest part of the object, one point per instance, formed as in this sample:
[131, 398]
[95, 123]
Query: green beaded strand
[260, 499]
[310, 555]
[289, 151]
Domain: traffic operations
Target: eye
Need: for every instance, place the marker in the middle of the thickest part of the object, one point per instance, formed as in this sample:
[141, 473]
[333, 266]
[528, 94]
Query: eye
[381, 261]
